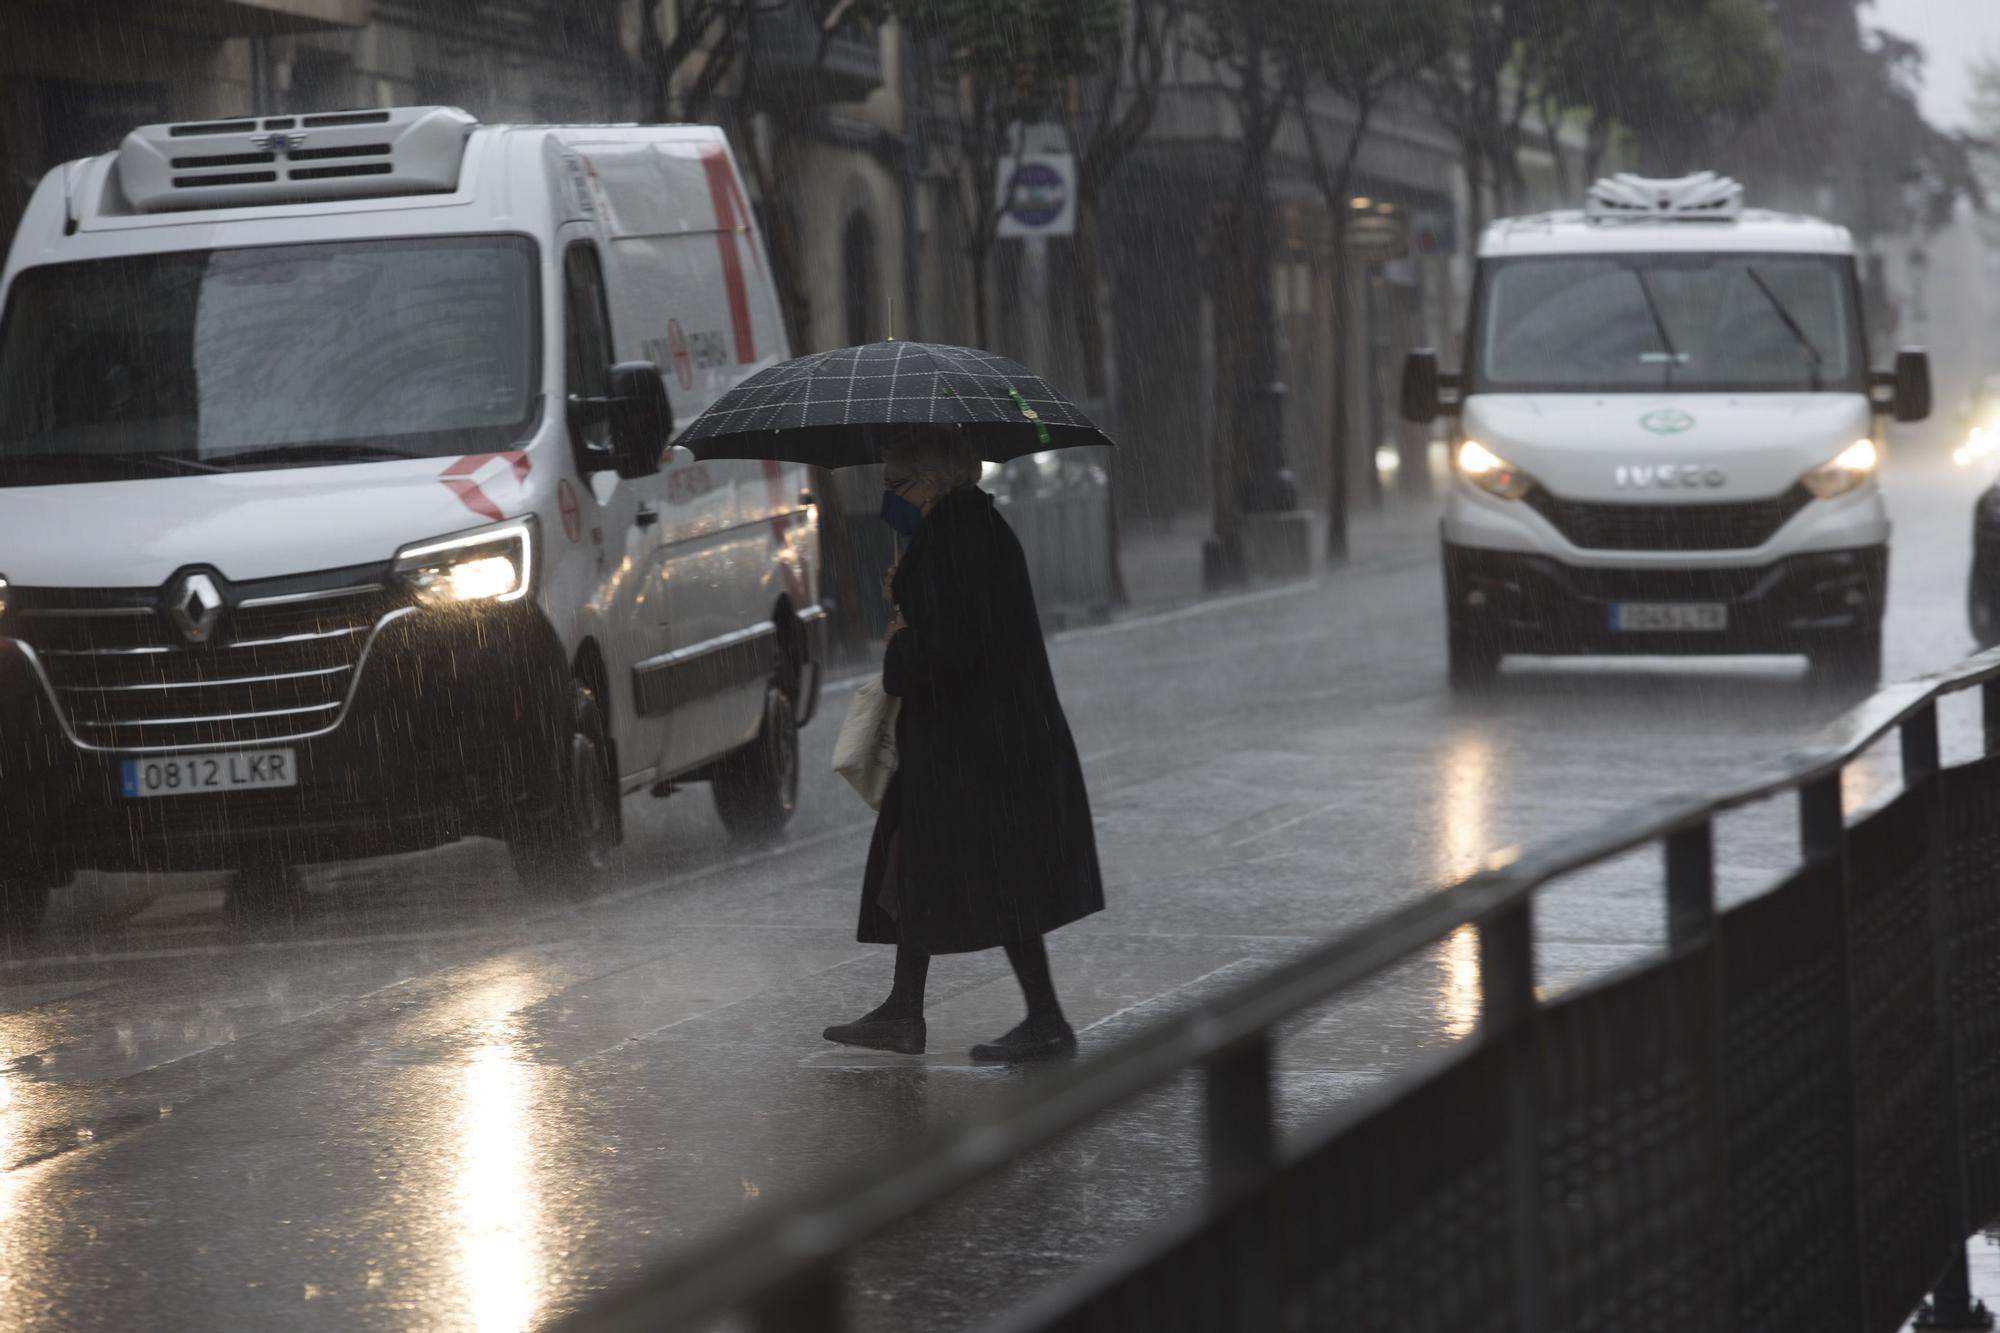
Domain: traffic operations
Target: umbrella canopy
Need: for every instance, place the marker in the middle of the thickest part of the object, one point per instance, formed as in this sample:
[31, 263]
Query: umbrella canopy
[818, 409]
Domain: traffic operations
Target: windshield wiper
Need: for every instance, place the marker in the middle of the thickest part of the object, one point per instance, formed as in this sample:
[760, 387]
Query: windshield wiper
[171, 463]
[330, 451]
[1814, 359]
[1659, 324]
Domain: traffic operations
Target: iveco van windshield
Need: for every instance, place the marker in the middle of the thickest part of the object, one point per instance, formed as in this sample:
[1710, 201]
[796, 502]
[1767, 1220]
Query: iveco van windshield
[288, 356]
[1636, 323]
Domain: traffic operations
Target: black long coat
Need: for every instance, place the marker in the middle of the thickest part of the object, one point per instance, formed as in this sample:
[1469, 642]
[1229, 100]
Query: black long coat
[988, 810]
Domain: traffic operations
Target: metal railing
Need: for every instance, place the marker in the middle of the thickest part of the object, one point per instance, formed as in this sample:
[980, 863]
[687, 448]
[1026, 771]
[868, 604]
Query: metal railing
[1788, 1120]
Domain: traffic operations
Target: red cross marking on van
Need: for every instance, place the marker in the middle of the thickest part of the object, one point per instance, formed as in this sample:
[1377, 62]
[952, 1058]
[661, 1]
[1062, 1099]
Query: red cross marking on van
[572, 512]
[731, 213]
[458, 479]
[677, 349]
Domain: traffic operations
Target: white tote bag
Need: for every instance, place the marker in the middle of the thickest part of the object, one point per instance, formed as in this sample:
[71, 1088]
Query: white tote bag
[865, 751]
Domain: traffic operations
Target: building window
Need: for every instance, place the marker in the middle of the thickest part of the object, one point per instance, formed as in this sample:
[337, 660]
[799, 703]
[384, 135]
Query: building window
[79, 119]
[322, 80]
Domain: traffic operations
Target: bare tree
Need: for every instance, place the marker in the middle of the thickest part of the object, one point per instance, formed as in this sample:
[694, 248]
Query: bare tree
[1013, 62]
[1361, 52]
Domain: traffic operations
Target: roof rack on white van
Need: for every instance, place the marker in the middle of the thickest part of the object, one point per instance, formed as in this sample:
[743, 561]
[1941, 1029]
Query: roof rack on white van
[1702, 197]
[291, 159]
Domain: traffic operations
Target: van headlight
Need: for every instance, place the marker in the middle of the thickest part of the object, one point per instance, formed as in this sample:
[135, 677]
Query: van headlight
[1492, 473]
[3, 596]
[1844, 471]
[495, 564]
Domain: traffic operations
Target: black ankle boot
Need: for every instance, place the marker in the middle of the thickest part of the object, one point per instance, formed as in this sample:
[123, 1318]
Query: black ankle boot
[905, 1036]
[1036, 1039]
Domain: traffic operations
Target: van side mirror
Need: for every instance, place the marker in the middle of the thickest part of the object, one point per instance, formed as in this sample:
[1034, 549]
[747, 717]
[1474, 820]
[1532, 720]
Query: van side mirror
[640, 416]
[1906, 390]
[1427, 391]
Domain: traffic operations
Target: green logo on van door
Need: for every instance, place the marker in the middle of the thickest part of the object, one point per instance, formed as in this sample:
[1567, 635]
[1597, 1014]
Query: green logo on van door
[1667, 421]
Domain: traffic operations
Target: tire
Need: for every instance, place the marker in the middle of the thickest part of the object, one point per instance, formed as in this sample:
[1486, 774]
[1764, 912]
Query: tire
[1472, 662]
[268, 891]
[1982, 613]
[573, 848]
[1849, 664]
[757, 788]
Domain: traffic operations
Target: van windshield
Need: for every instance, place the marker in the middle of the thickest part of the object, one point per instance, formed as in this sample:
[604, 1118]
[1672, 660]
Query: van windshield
[1689, 322]
[288, 356]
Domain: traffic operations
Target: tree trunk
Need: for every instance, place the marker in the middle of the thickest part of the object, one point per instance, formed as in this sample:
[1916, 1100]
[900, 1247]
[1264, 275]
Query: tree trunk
[1096, 374]
[979, 256]
[1475, 192]
[1338, 464]
[1596, 144]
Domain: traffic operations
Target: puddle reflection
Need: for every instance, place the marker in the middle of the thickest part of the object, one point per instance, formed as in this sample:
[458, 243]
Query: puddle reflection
[1464, 814]
[1458, 983]
[501, 1260]
[12, 1149]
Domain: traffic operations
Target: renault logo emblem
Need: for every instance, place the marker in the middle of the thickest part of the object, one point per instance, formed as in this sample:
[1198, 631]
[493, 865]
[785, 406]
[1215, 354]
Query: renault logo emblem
[194, 604]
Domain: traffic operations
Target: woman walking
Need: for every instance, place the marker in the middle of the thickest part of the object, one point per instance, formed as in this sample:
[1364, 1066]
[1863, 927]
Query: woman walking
[984, 838]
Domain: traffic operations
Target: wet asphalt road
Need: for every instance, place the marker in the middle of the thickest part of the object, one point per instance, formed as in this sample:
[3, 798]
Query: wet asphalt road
[437, 1101]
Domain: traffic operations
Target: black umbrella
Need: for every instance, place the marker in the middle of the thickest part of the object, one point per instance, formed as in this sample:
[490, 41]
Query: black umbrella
[817, 409]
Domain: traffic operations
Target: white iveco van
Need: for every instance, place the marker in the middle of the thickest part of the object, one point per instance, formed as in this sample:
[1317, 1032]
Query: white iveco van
[337, 515]
[1667, 436]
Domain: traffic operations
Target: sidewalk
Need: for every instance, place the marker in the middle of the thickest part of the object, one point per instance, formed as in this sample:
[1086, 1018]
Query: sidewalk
[1162, 562]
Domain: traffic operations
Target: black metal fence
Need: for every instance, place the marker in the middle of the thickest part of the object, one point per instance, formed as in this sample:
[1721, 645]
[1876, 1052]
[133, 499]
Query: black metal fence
[1790, 1120]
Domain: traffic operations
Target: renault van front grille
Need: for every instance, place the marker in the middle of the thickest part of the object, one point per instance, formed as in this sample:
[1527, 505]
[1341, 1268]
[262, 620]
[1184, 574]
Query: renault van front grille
[281, 662]
[1742, 525]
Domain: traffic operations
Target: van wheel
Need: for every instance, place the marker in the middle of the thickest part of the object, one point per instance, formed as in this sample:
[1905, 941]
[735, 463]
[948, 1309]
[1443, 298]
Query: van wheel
[572, 848]
[1471, 659]
[1850, 663]
[1983, 612]
[757, 788]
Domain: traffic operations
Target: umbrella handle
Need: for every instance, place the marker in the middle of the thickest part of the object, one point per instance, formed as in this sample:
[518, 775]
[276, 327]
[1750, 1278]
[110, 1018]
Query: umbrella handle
[1041, 428]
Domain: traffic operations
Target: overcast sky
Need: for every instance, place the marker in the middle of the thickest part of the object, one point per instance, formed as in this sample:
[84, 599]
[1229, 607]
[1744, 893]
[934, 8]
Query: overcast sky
[1953, 33]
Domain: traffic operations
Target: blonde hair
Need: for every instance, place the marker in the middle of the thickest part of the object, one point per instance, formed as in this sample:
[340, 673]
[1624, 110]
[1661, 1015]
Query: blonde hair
[932, 451]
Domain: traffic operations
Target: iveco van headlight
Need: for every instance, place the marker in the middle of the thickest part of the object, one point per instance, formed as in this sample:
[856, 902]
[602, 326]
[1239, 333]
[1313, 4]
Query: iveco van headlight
[1844, 471]
[495, 564]
[1492, 473]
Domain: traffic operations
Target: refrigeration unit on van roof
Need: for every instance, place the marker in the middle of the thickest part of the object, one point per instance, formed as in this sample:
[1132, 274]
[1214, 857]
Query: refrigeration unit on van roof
[1701, 197]
[259, 160]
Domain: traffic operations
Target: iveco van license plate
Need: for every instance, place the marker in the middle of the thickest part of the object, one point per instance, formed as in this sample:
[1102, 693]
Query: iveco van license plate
[191, 775]
[1670, 616]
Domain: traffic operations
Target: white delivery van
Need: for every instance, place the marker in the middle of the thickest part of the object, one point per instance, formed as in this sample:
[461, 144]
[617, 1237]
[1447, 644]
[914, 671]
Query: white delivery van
[337, 513]
[1667, 436]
